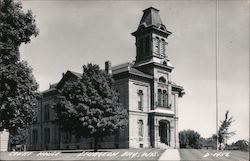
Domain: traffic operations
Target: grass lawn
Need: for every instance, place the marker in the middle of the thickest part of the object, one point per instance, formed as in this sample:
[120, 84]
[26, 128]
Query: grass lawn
[202, 154]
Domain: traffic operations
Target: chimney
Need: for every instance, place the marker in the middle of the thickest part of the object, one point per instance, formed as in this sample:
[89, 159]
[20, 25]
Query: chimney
[108, 67]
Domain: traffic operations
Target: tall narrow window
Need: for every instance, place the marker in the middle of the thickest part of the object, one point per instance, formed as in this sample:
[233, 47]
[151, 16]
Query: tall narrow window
[140, 100]
[141, 47]
[157, 45]
[77, 138]
[162, 47]
[165, 98]
[173, 102]
[34, 136]
[159, 97]
[147, 46]
[46, 113]
[67, 137]
[140, 129]
[47, 135]
[118, 95]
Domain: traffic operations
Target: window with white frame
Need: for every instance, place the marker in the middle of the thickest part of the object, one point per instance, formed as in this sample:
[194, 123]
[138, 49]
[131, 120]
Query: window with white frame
[160, 98]
[165, 98]
[140, 130]
[140, 100]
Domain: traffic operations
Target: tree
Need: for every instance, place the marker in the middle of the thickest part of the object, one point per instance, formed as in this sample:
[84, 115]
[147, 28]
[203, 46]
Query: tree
[209, 142]
[18, 88]
[241, 145]
[89, 106]
[190, 139]
[19, 138]
[223, 133]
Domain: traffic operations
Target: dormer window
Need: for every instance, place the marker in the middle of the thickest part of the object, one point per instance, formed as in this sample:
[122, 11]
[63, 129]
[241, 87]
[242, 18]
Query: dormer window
[162, 27]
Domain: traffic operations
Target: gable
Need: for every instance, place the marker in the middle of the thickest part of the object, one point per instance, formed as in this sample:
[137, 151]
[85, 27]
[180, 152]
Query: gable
[68, 76]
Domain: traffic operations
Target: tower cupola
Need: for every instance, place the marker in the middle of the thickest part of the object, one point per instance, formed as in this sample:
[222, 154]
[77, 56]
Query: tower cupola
[151, 36]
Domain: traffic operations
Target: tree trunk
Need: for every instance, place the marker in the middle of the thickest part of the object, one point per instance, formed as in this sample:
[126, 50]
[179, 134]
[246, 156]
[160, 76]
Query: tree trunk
[96, 144]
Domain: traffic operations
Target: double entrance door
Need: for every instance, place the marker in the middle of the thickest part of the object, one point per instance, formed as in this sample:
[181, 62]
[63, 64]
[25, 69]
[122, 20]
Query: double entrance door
[164, 132]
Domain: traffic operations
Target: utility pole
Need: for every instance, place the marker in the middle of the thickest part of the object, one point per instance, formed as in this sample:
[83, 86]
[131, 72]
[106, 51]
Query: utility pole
[216, 74]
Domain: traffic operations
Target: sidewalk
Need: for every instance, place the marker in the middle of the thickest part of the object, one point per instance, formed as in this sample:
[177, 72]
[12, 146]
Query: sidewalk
[170, 154]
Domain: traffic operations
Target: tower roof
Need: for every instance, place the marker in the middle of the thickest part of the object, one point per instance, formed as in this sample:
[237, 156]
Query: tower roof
[151, 20]
[151, 17]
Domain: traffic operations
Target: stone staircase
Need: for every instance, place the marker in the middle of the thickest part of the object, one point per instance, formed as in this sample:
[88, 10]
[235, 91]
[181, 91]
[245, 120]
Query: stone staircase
[163, 146]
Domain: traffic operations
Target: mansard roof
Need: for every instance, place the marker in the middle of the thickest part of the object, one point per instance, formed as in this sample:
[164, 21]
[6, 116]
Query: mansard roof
[151, 17]
[151, 20]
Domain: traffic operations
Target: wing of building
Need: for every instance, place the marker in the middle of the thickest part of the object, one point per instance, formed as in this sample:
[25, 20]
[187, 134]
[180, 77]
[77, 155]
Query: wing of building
[146, 91]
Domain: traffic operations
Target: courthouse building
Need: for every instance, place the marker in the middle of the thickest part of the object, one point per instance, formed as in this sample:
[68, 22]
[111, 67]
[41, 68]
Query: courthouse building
[146, 91]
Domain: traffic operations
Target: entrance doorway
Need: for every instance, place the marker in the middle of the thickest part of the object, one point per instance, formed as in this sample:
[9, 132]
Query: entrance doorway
[164, 132]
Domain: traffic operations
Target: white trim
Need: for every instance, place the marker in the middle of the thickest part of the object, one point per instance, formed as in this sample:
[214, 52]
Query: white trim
[164, 111]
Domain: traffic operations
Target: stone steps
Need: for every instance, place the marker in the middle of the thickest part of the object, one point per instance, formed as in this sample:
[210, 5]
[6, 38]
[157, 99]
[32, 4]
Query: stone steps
[164, 146]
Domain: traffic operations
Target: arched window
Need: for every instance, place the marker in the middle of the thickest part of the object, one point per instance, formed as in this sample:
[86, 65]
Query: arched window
[140, 100]
[165, 98]
[157, 45]
[162, 47]
[162, 27]
[162, 80]
[159, 97]
[140, 129]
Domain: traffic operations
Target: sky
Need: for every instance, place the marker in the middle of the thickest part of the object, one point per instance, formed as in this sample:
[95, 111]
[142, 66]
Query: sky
[74, 33]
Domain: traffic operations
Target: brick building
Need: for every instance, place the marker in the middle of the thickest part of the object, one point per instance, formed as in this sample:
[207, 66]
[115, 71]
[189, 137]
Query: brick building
[146, 91]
